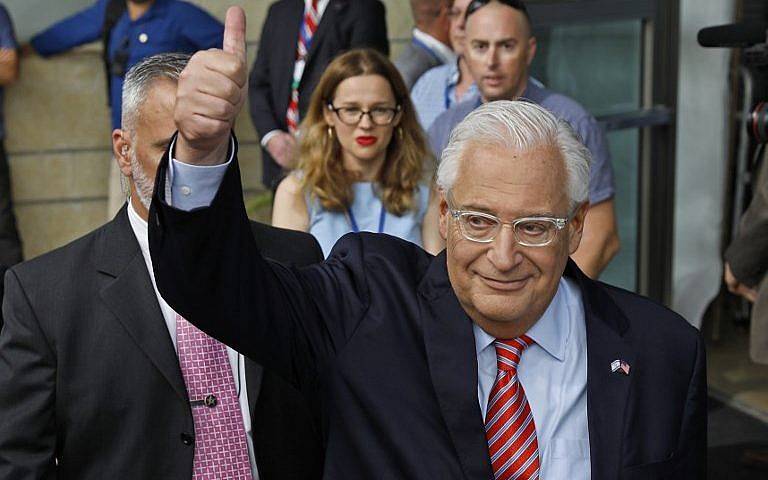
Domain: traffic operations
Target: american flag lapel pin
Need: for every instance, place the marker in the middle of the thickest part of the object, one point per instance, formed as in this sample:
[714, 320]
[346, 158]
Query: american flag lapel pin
[620, 366]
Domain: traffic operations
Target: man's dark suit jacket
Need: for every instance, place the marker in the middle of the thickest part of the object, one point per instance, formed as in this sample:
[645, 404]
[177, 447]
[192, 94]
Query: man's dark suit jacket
[89, 376]
[345, 24]
[378, 329]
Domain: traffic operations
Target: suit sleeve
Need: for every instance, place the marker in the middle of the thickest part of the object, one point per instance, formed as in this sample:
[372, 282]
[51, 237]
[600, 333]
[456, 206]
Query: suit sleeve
[748, 252]
[209, 269]
[692, 450]
[370, 28]
[260, 83]
[81, 28]
[27, 391]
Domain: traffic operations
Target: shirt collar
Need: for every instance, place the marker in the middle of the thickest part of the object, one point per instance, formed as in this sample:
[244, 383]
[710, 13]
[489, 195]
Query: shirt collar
[159, 6]
[550, 332]
[140, 229]
[441, 50]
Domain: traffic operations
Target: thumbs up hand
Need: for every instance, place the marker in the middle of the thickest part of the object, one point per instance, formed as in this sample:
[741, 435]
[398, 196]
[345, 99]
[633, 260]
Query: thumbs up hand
[210, 95]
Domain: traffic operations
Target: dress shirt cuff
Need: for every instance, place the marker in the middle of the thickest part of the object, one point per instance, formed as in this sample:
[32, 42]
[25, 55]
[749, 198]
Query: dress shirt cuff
[266, 138]
[194, 186]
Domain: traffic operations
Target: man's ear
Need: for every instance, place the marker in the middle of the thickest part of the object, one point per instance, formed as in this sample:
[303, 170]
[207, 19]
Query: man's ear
[576, 227]
[121, 149]
[444, 214]
[531, 49]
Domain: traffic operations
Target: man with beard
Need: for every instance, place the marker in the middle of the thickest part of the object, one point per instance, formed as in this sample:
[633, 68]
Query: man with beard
[130, 30]
[100, 378]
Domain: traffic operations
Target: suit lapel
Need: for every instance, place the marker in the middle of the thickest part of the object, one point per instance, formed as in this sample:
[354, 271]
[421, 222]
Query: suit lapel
[253, 375]
[288, 34]
[450, 347]
[328, 23]
[607, 392]
[128, 293]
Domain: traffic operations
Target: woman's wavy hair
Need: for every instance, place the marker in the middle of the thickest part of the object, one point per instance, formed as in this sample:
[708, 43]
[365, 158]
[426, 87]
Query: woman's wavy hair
[407, 158]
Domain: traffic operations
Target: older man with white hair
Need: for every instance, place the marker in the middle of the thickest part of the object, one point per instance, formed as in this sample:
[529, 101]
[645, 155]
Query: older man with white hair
[496, 359]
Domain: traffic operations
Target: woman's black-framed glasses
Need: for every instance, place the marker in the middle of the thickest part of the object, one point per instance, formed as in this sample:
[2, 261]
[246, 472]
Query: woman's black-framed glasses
[381, 116]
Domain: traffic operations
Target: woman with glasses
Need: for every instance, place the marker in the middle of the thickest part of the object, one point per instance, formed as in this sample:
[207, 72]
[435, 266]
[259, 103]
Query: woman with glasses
[363, 160]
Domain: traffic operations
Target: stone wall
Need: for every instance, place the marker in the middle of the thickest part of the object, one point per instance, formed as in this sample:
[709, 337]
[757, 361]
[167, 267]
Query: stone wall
[59, 138]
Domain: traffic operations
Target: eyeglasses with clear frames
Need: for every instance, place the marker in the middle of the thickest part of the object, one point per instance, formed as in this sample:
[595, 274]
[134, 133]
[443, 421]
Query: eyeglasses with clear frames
[381, 116]
[535, 231]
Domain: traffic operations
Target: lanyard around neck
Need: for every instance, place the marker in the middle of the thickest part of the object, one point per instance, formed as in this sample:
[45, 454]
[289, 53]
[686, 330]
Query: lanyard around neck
[353, 222]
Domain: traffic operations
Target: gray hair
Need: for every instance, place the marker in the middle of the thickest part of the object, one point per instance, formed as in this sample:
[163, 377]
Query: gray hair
[519, 125]
[141, 76]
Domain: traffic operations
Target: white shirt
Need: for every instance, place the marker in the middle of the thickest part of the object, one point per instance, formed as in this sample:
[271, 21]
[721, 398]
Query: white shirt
[441, 50]
[553, 372]
[236, 361]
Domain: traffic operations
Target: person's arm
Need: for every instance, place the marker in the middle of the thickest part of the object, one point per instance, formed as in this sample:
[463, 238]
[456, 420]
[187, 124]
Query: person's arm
[600, 240]
[9, 55]
[430, 229]
[200, 28]
[290, 207]
[747, 255]
[370, 27]
[81, 28]
[206, 262]
[27, 391]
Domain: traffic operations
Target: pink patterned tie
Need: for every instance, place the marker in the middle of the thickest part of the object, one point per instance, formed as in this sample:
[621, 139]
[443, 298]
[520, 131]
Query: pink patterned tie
[221, 451]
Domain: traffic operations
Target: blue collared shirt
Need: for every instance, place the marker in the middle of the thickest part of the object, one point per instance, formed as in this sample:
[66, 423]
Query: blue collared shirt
[7, 42]
[553, 372]
[168, 26]
[435, 92]
[601, 184]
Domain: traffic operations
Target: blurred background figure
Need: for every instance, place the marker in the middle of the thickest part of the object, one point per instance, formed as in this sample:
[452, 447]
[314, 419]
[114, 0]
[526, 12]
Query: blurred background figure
[10, 245]
[430, 45]
[746, 265]
[442, 87]
[364, 164]
[130, 30]
[298, 40]
[500, 47]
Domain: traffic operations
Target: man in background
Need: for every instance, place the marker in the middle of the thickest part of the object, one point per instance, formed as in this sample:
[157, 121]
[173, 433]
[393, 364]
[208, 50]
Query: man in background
[10, 245]
[444, 86]
[298, 40]
[101, 379]
[431, 42]
[130, 30]
[499, 49]
[746, 268]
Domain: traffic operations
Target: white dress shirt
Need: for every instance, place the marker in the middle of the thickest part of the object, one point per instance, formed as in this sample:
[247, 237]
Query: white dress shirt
[553, 372]
[236, 361]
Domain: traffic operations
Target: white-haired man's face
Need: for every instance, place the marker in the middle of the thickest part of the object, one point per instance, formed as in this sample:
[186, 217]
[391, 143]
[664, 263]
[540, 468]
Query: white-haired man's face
[504, 286]
[138, 150]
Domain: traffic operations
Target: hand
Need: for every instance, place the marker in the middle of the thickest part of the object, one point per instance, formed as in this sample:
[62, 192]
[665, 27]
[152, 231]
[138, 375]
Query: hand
[282, 146]
[736, 287]
[210, 95]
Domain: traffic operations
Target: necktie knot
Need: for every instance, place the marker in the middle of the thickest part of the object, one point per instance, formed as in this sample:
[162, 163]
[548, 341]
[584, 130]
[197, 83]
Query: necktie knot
[509, 352]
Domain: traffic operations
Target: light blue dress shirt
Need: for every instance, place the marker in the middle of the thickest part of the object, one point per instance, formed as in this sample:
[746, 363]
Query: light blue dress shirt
[435, 92]
[553, 371]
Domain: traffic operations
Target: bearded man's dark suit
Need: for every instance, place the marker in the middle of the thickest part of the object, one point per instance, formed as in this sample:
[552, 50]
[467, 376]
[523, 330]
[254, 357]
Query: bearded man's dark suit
[90, 384]
[379, 331]
[346, 24]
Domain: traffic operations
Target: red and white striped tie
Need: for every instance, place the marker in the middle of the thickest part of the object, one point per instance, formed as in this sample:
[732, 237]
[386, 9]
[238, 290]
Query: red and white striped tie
[307, 31]
[509, 425]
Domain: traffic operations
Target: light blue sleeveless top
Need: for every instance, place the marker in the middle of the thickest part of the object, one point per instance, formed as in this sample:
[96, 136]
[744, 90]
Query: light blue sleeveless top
[328, 227]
